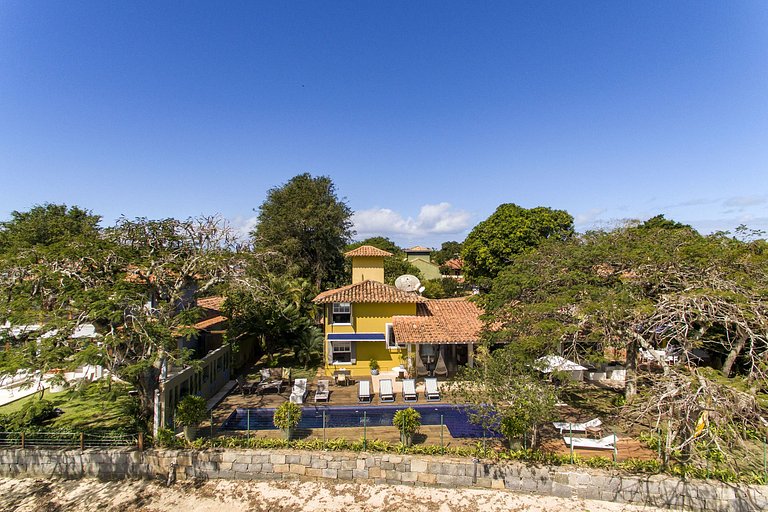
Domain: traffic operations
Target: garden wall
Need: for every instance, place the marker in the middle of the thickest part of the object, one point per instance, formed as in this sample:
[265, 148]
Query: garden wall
[562, 481]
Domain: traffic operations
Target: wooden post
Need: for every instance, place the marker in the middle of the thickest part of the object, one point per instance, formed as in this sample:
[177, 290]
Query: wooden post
[140, 441]
[22, 440]
[82, 441]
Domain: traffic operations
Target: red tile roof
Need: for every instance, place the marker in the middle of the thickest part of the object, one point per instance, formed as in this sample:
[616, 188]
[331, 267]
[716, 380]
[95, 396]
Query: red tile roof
[367, 250]
[419, 248]
[206, 324]
[454, 263]
[440, 321]
[214, 303]
[366, 292]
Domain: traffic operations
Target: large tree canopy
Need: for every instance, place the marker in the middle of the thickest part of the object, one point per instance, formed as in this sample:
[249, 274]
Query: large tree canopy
[306, 222]
[136, 282]
[509, 231]
[46, 225]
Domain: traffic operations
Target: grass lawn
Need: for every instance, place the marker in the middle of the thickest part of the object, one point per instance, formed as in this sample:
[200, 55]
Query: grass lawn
[95, 407]
[285, 360]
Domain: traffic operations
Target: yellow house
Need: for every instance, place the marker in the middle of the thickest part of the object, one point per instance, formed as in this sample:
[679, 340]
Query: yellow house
[372, 320]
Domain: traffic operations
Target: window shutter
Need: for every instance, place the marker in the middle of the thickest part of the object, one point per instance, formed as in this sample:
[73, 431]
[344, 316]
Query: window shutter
[354, 352]
[329, 352]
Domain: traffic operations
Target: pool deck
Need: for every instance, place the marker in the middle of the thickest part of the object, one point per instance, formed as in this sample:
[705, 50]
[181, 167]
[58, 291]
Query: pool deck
[429, 434]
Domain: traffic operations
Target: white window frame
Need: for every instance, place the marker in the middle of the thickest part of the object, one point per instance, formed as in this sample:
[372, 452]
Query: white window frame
[389, 335]
[348, 306]
[335, 346]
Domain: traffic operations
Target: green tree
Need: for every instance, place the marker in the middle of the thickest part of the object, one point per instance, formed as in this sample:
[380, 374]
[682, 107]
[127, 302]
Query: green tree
[507, 395]
[394, 266]
[306, 222]
[509, 231]
[448, 250]
[46, 225]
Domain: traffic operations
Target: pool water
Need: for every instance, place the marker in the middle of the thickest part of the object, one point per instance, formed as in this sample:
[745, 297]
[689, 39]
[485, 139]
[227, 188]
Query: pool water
[453, 417]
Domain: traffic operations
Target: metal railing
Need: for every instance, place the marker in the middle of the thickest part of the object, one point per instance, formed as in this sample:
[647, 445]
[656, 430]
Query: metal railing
[80, 440]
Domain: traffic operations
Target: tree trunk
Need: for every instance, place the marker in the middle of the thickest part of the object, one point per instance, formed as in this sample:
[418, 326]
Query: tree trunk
[732, 355]
[630, 380]
[146, 383]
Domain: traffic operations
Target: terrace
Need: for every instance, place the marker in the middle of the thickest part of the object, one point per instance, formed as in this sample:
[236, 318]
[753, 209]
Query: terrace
[343, 399]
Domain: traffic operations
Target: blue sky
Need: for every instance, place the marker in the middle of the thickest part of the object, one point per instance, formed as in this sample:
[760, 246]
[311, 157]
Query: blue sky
[427, 115]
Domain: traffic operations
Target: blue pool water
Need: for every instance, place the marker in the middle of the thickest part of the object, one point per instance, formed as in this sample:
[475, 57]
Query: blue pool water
[454, 418]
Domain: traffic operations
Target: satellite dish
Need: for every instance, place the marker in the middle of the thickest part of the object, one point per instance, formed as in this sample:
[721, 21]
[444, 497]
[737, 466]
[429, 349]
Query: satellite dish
[407, 283]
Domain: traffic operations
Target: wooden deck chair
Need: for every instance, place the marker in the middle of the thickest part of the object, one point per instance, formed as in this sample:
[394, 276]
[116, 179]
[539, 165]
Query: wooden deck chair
[322, 393]
[299, 391]
[440, 368]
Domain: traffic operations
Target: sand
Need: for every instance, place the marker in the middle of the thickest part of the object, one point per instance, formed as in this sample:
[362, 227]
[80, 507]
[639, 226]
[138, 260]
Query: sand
[37, 495]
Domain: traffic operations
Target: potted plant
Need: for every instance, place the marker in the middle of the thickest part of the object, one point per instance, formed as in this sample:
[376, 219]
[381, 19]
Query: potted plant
[190, 412]
[408, 422]
[287, 418]
[374, 365]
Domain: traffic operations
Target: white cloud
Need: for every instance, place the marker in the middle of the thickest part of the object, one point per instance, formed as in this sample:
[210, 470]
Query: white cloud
[244, 225]
[588, 216]
[742, 201]
[433, 219]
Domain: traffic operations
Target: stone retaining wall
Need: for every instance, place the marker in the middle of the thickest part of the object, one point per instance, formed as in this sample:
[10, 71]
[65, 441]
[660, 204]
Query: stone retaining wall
[562, 481]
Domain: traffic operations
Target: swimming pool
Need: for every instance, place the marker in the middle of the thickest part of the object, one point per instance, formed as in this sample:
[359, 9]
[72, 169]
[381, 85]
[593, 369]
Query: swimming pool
[453, 417]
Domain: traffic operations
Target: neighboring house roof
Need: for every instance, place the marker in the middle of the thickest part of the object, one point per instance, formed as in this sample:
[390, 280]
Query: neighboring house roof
[418, 248]
[551, 363]
[454, 263]
[214, 316]
[207, 324]
[440, 321]
[214, 303]
[367, 250]
[367, 291]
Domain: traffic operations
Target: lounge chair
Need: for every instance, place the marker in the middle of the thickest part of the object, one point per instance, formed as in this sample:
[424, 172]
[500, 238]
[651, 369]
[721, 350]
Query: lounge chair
[409, 390]
[431, 392]
[440, 369]
[322, 393]
[577, 427]
[364, 391]
[385, 391]
[299, 391]
[244, 386]
[606, 443]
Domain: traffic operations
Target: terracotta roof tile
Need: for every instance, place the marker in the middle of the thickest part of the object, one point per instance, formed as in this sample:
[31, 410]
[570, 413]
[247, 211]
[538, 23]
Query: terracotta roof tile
[214, 303]
[367, 250]
[454, 263]
[440, 321]
[419, 248]
[367, 291]
[205, 324]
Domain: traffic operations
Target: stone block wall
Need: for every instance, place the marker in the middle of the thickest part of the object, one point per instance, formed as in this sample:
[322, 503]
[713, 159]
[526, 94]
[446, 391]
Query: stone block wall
[562, 481]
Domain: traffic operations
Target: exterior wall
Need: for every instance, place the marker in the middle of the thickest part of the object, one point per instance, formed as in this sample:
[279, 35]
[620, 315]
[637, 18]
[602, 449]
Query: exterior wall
[428, 270]
[367, 318]
[369, 268]
[376, 468]
[212, 374]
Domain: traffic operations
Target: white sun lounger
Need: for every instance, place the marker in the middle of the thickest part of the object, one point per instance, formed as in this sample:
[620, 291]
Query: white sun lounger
[431, 392]
[409, 390]
[385, 391]
[606, 443]
[322, 392]
[299, 391]
[577, 427]
[364, 391]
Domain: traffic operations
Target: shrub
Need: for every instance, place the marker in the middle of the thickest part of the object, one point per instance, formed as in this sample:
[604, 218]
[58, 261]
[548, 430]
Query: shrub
[287, 416]
[408, 421]
[191, 411]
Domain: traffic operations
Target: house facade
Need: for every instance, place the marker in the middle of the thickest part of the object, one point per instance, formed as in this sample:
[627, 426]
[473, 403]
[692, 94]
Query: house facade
[369, 319]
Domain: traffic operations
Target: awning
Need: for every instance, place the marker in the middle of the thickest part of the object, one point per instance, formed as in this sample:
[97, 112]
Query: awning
[360, 336]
